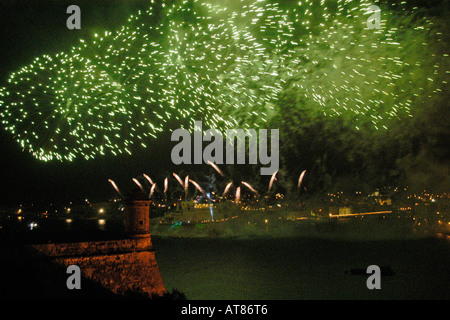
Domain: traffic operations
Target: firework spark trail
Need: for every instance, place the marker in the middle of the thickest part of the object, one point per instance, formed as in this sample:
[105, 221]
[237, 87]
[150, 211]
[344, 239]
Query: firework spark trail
[216, 168]
[148, 179]
[272, 180]
[179, 180]
[186, 187]
[152, 190]
[196, 185]
[249, 186]
[166, 185]
[300, 179]
[238, 194]
[138, 184]
[115, 187]
[227, 188]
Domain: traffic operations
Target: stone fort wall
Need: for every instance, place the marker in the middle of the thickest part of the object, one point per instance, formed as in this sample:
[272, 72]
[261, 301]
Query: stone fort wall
[122, 266]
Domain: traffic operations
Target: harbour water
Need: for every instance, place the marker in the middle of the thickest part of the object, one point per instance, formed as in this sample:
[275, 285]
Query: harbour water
[299, 268]
[270, 266]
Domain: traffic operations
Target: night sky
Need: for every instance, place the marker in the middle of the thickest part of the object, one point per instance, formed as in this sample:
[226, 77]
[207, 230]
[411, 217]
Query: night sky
[31, 28]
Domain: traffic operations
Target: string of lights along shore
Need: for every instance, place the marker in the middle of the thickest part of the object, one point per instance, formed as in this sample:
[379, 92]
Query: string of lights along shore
[227, 63]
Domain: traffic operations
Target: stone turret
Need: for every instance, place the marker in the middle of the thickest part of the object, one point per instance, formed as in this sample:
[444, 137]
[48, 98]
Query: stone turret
[137, 219]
